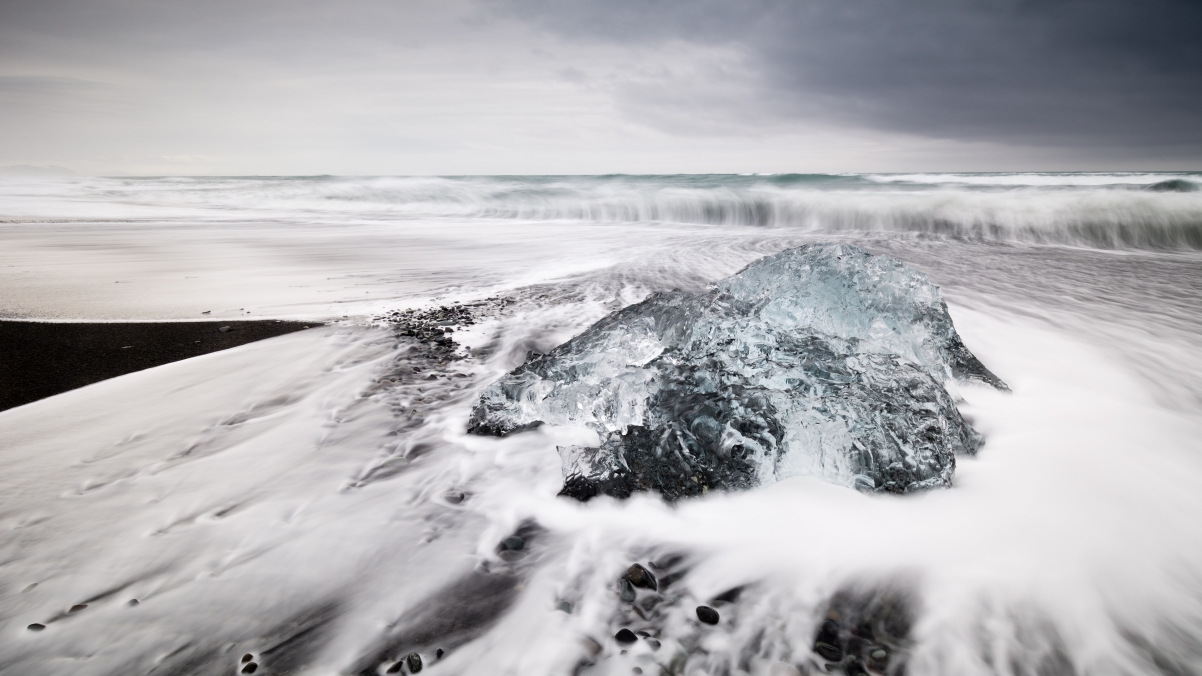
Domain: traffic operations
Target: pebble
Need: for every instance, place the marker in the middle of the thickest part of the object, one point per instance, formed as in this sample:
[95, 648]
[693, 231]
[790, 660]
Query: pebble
[250, 668]
[36, 626]
[513, 543]
[414, 662]
[707, 615]
[626, 591]
[29, 588]
[77, 607]
[653, 642]
[454, 497]
[641, 577]
[879, 655]
[224, 329]
[564, 606]
[247, 657]
[625, 636]
[828, 652]
[132, 603]
[439, 653]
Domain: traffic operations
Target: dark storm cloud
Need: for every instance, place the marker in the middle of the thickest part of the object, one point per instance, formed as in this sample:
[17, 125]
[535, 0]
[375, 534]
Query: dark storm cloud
[1099, 73]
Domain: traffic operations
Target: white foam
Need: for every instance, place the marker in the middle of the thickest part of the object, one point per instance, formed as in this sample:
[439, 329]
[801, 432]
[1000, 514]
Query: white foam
[227, 494]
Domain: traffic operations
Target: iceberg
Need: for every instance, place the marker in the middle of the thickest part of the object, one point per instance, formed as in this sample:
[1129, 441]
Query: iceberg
[823, 361]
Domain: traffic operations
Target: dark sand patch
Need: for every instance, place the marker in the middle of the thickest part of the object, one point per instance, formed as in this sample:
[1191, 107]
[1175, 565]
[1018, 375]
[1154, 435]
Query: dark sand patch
[40, 359]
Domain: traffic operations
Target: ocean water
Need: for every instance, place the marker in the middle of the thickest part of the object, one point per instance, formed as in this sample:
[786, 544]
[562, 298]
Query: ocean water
[288, 499]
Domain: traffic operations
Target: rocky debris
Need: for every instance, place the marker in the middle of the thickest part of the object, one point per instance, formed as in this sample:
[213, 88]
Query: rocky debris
[132, 602]
[439, 653]
[225, 329]
[414, 662]
[564, 606]
[822, 361]
[247, 658]
[77, 607]
[862, 630]
[454, 497]
[707, 615]
[250, 668]
[434, 325]
[36, 626]
[866, 628]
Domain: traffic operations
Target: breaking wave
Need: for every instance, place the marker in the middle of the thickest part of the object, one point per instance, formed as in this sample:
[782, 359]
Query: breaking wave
[1104, 211]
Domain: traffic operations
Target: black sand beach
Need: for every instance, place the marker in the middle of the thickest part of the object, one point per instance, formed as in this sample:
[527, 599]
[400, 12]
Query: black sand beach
[41, 359]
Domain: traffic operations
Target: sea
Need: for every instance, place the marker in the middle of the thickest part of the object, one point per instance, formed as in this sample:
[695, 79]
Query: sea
[312, 503]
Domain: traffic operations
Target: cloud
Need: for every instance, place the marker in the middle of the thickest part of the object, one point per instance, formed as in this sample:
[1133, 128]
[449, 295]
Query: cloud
[1069, 73]
[547, 86]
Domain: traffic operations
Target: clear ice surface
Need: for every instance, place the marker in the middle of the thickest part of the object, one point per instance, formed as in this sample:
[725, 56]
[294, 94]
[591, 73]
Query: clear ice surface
[824, 361]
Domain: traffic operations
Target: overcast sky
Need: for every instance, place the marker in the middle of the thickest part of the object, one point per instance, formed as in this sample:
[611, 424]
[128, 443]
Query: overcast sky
[598, 86]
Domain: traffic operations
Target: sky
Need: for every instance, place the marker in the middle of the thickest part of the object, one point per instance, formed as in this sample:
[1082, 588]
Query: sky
[270, 87]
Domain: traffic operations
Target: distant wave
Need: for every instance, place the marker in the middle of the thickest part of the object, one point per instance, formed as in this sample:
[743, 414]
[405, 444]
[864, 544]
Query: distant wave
[1111, 210]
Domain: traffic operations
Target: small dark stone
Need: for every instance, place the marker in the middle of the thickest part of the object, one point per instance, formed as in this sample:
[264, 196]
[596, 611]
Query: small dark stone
[395, 668]
[132, 602]
[707, 615]
[36, 626]
[225, 329]
[564, 606]
[641, 577]
[247, 657]
[77, 607]
[439, 653]
[454, 497]
[625, 636]
[250, 668]
[626, 591]
[636, 671]
[513, 543]
[828, 652]
[654, 643]
[414, 662]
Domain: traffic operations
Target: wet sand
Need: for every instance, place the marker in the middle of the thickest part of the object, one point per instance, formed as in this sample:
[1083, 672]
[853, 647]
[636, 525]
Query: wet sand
[41, 359]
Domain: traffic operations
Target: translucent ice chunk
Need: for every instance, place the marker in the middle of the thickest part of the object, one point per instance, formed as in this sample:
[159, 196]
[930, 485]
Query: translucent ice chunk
[823, 360]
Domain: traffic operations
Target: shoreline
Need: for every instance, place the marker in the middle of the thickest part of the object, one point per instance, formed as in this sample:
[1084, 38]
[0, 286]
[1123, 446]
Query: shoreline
[40, 359]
